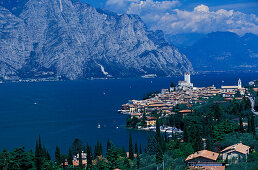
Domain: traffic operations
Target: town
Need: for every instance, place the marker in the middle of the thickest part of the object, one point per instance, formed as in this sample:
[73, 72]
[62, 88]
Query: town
[183, 94]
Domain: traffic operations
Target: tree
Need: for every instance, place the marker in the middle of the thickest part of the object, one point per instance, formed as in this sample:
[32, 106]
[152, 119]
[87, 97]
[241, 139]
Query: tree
[241, 127]
[249, 128]
[109, 145]
[131, 153]
[38, 154]
[20, 159]
[77, 146]
[158, 135]
[152, 144]
[140, 149]
[58, 160]
[253, 125]
[124, 152]
[89, 157]
[159, 155]
[70, 157]
[137, 156]
[4, 159]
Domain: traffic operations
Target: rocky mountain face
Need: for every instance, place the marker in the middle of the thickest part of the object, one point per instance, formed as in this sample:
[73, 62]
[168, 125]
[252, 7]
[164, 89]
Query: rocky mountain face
[73, 40]
[224, 51]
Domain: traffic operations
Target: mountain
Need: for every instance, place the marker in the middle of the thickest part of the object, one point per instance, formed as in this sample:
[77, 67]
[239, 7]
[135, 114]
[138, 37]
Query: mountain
[224, 51]
[70, 39]
[184, 40]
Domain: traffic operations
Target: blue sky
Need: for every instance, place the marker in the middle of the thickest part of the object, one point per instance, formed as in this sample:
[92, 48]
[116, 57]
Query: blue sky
[189, 16]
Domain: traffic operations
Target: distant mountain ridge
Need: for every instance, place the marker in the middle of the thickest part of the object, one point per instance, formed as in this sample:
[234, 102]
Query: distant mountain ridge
[70, 39]
[224, 51]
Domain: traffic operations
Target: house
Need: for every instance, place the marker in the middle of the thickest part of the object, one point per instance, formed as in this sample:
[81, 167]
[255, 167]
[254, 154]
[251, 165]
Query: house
[76, 159]
[151, 121]
[235, 153]
[185, 112]
[205, 160]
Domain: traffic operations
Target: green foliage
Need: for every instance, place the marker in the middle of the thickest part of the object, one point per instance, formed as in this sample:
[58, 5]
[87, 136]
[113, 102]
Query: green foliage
[235, 137]
[115, 159]
[89, 157]
[151, 147]
[70, 157]
[58, 160]
[131, 153]
[133, 122]
[244, 166]
[150, 95]
[17, 159]
[77, 146]
[223, 128]
[183, 150]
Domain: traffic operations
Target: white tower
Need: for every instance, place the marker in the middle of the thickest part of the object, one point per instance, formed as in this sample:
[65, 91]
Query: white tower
[239, 84]
[188, 77]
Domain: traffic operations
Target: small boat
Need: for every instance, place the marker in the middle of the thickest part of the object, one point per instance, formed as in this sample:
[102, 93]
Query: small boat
[98, 126]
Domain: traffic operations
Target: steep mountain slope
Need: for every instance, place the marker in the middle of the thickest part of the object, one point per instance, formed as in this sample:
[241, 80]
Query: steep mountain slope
[224, 51]
[74, 40]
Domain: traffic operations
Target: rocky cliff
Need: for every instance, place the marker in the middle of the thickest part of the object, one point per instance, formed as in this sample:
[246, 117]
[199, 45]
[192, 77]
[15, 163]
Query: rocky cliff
[73, 40]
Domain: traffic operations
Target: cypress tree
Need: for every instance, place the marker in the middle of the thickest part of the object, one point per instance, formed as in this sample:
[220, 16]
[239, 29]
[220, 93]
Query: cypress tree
[58, 156]
[109, 145]
[96, 152]
[137, 156]
[131, 154]
[70, 157]
[151, 147]
[100, 149]
[136, 148]
[241, 127]
[48, 156]
[80, 159]
[166, 137]
[140, 149]
[159, 155]
[89, 157]
[158, 135]
[163, 144]
[38, 159]
[253, 125]
[124, 152]
[249, 128]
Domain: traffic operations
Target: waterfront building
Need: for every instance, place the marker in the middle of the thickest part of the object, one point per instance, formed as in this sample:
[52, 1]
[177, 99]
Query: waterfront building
[186, 84]
[151, 121]
[76, 159]
[230, 91]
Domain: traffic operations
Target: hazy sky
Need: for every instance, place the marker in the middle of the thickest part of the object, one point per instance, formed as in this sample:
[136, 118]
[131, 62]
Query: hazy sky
[189, 16]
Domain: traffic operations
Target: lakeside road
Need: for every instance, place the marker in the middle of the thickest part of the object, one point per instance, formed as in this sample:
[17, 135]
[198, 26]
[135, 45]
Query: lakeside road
[252, 103]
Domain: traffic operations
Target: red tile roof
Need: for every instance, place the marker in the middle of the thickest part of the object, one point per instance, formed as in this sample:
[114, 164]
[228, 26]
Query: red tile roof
[205, 154]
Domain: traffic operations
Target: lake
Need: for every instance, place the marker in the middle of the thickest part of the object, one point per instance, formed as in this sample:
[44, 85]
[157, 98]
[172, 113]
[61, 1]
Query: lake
[61, 111]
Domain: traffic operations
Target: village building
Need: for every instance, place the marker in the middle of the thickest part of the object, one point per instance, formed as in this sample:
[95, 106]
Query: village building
[230, 91]
[151, 121]
[205, 160]
[186, 84]
[76, 159]
[235, 153]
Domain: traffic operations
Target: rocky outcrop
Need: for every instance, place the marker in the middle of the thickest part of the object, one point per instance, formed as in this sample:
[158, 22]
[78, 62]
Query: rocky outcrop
[74, 40]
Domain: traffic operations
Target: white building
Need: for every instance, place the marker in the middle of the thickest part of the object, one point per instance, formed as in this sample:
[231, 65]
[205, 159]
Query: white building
[233, 89]
[186, 84]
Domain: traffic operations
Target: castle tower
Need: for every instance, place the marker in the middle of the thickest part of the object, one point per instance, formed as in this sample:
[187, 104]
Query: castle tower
[188, 77]
[239, 84]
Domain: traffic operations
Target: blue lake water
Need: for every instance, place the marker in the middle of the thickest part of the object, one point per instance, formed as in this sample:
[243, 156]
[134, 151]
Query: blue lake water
[63, 111]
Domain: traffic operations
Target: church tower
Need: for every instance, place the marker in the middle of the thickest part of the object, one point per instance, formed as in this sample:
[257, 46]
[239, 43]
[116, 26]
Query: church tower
[239, 84]
[188, 78]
